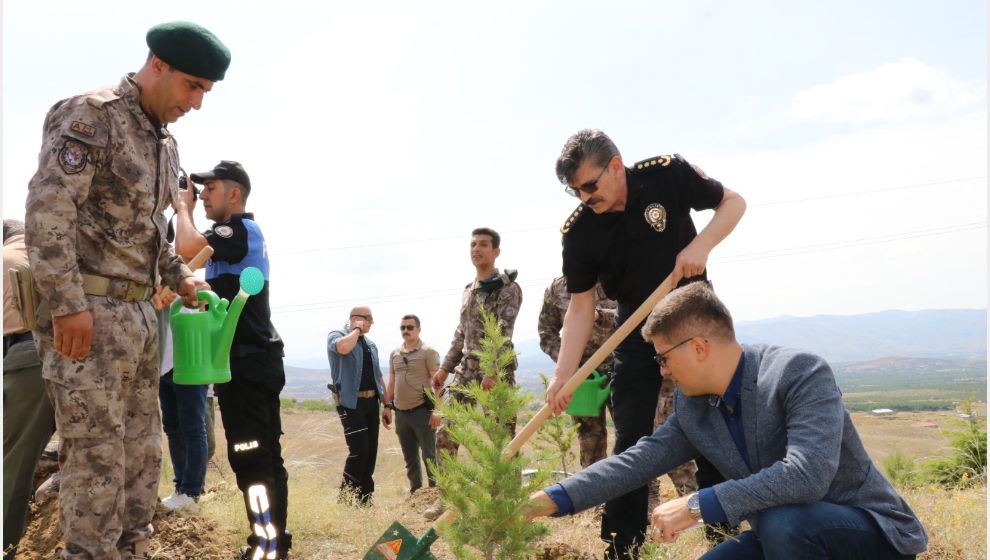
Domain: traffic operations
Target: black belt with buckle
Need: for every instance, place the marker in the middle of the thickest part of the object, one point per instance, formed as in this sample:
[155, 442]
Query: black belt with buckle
[415, 408]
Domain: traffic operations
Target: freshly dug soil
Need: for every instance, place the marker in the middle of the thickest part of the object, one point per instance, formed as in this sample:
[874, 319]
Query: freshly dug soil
[176, 537]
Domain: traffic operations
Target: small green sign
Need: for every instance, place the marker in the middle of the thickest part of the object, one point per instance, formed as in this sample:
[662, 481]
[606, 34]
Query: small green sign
[399, 544]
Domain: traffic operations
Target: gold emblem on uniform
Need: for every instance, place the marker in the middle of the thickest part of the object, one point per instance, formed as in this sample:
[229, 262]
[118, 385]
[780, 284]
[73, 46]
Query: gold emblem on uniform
[662, 161]
[656, 216]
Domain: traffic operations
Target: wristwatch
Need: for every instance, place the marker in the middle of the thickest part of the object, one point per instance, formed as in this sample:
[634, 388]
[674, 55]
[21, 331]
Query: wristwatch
[694, 506]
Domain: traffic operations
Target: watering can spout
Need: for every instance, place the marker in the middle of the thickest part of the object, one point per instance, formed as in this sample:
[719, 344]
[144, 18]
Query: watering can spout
[252, 281]
[225, 334]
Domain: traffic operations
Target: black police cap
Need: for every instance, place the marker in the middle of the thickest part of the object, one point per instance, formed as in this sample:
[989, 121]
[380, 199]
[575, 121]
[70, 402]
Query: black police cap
[224, 170]
[190, 48]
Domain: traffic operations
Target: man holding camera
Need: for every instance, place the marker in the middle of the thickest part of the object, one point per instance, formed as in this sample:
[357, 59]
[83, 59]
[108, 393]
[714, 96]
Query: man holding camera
[95, 237]
[357, 388]
[249, 403]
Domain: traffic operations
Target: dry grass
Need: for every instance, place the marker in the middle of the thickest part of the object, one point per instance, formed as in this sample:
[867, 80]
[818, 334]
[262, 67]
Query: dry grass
[314, 450]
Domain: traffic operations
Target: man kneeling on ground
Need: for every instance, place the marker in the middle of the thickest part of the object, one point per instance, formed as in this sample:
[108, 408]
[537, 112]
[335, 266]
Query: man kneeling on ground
[772, 421]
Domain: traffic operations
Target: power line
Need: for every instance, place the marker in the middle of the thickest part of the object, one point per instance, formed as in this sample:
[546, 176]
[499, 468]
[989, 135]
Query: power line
[542, 282]
[525, 230]
[887, 238]
[874, 191]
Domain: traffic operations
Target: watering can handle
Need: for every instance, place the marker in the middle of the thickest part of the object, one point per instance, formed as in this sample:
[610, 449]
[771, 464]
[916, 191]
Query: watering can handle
[581, 374]
[217, 306]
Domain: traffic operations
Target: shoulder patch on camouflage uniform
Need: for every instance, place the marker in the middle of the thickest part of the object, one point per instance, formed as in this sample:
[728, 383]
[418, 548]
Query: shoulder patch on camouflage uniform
[658, 161]
[79, 119]
[73, 156]
[83, 128]
[573, 218]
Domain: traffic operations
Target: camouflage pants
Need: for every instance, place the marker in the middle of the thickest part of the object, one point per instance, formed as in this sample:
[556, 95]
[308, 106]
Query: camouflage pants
[683, 476]
[462, 378]
[593, 436]
[106, 411]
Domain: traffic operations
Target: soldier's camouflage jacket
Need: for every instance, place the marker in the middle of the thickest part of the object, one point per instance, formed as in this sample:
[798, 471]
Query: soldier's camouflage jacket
[105, 176]
[503, 297]
[555, 301]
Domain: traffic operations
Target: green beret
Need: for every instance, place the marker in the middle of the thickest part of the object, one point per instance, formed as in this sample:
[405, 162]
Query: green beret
[190, 48]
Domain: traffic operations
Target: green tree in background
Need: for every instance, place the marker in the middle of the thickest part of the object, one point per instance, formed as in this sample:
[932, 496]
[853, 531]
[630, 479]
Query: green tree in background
[966, 466]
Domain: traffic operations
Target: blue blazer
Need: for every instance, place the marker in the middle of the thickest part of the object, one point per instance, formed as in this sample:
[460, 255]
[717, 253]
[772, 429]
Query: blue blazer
[801, 442]
[345, 369]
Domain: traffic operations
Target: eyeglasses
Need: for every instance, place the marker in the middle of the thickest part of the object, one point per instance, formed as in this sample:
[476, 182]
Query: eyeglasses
[661, 358]
[407, 327]
[589, 187]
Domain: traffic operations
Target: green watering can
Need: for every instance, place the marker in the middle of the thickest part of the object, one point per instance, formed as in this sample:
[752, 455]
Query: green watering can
[590, 395]
[201, 340]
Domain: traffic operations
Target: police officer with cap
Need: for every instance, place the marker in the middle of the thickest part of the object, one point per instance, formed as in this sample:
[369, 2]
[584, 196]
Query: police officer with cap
[95, 236]
[249, 403]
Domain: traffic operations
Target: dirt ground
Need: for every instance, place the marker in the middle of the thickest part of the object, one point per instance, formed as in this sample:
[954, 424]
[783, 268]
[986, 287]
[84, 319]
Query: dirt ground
[323, 529]
[176, 537]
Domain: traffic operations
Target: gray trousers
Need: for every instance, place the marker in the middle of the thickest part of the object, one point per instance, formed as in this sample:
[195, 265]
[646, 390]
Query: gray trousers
[28, 424]
[415, 435]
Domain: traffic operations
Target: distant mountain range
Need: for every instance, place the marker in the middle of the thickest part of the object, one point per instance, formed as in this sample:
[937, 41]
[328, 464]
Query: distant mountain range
[884, 341]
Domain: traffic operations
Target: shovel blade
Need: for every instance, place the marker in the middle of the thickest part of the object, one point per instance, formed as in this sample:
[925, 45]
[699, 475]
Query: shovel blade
[397, 543]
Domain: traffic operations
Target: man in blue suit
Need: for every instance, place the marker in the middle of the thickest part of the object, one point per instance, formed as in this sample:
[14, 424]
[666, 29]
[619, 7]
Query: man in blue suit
[772, 422]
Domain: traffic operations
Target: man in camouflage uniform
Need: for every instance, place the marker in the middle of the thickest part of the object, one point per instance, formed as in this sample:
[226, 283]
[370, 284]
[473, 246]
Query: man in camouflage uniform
[499, 294]
[96, 244]
[592, 432]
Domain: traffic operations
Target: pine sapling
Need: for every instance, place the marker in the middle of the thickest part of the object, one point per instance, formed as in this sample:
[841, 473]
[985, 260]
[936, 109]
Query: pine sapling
[485, 490]
[556, 438]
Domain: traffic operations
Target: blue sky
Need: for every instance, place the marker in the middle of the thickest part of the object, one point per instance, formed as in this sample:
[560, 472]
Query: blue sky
[378, 135]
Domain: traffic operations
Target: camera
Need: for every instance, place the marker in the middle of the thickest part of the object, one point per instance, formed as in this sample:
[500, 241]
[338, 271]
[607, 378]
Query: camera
[185, 183]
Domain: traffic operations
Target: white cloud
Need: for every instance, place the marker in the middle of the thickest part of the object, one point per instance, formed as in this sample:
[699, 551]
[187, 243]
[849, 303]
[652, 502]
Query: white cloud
[897, 91]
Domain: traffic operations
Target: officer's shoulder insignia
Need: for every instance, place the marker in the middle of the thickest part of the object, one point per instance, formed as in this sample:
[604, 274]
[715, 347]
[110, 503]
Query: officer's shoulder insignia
[224, 231]
[573, 218]
[73, 156]
[658, 161]
[656, 215]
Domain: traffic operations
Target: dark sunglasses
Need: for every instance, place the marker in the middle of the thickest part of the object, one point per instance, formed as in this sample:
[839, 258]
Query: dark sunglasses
[587, 188]
[661, 358]
[406, 327]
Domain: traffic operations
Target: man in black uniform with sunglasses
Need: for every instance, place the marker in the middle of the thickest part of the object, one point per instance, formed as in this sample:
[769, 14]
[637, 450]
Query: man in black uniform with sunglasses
[632, 229]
